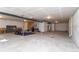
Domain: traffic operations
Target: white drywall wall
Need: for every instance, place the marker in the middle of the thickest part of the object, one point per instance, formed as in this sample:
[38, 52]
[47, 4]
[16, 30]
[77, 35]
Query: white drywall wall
[75, 27]
[5, 22]
[42, 26]
[61, 27]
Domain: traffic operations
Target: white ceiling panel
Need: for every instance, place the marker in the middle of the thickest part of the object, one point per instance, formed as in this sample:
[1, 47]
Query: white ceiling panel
[40, 13]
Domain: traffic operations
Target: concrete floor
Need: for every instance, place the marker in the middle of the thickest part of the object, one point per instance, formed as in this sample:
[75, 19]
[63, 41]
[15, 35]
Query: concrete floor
[38, 42]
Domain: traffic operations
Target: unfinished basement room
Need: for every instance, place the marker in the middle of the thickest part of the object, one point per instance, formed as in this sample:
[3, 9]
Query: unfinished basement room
[39, 29]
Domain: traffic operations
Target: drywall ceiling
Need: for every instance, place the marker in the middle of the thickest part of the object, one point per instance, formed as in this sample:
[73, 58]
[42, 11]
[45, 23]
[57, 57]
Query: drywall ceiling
[42, 13]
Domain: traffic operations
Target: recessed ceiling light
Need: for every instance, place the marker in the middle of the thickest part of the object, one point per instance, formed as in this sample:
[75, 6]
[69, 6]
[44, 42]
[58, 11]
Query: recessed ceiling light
[25, 20]
[48, 17]
[1, 16]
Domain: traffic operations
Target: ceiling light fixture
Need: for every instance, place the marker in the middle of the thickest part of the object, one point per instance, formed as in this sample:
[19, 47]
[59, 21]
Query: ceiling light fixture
[1, 16]
[48, 17]
[25, 20]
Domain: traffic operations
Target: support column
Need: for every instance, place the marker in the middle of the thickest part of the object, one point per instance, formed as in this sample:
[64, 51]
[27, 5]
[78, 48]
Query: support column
[54, 27]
